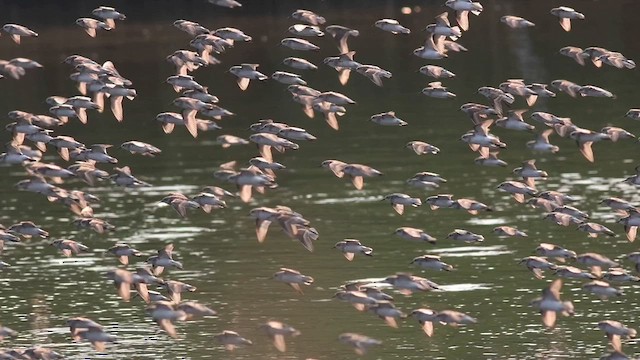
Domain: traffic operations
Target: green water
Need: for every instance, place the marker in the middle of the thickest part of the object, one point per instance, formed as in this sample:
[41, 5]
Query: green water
[220, 253]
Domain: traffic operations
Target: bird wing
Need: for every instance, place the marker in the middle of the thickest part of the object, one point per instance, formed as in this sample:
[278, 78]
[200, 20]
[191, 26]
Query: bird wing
[519, 198]
[554, 288]
[549, 318]
[64, 153]
[308, 110]
[116, 106]
[615, 342]
[544, 136]
[143, 291]
[531, 99]
[168, 327]
[565, 23]
[262, 226]
[307, 240]
[462, 17]
[278, 342]
[342, 44]
[443, 19]
[586, 150]
[343, 75]
[358, 182]
[82, 115]
[399, 208]
[537, 273]
[124, 260]
[265, 152]
[631, 232]
[375, 78]
[168, 128]
[90, 31]
[112, 24]
[531, 182]
[157, 270]
[245, 193]
[100, 346]
[167, 251]
[337, 168]
[190, 122]
[391, 321]
[427, 327]
[243, 83]
[124, 291]
[332, 121]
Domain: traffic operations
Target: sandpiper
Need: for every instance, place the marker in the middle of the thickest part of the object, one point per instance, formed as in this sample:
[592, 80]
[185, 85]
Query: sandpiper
[277, 331]
[360, 343]
[566, 14]
[550, 304]
[293, 278]
[351, 247]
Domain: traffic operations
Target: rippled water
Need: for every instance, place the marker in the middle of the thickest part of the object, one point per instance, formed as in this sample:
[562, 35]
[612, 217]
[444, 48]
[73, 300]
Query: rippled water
[220, 252]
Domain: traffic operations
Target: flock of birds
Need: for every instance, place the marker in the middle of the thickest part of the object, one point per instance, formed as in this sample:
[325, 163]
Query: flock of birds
[99, 83]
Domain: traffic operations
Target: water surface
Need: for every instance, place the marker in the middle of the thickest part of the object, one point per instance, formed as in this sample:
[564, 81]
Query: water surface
[220, 252]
